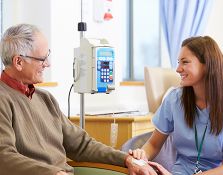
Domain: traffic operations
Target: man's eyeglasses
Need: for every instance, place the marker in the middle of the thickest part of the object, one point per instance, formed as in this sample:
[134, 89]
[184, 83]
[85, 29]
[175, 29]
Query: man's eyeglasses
[38, 59]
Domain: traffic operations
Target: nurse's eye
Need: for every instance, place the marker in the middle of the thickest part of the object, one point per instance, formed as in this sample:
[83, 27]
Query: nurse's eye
[184, 62]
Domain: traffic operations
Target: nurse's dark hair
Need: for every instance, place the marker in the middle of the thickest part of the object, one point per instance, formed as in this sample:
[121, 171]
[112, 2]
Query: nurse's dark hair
[208, 53]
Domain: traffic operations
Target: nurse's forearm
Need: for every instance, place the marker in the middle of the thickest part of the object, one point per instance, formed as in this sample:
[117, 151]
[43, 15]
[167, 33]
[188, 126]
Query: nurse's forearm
[153, 146]
[151, 151]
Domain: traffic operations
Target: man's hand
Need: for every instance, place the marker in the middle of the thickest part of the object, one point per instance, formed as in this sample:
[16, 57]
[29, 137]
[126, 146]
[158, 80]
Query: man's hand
[61, 173]
[135, 169]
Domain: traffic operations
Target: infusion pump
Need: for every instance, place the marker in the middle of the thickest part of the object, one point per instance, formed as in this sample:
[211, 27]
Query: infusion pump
[93, 67]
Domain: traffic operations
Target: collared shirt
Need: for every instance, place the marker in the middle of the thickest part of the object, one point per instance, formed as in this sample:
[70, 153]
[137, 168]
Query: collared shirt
[24, 89]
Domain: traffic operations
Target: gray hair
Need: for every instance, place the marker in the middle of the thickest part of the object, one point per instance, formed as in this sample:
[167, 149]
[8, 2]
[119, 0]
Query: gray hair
[17, 40]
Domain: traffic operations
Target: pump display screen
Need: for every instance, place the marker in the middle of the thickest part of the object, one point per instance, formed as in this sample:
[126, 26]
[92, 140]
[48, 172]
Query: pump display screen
[105, 54]
[105, 64]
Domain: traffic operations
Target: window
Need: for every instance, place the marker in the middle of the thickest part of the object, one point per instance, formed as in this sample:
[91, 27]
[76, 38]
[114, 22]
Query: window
[144, 38]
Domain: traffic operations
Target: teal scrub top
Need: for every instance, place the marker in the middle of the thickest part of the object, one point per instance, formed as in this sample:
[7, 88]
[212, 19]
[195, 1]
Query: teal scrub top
[169, 118]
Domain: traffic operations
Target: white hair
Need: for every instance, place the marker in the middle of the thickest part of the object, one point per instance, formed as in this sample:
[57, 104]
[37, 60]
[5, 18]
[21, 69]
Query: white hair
[17, 40]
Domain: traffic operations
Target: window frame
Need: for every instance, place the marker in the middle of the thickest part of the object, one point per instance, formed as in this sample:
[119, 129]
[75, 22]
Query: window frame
[129, 70]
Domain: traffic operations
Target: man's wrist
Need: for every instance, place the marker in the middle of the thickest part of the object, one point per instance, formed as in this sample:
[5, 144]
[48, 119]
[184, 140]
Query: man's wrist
[139, 162]
[128, 160]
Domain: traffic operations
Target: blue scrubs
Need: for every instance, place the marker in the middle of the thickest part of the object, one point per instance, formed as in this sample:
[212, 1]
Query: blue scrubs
[170, 118]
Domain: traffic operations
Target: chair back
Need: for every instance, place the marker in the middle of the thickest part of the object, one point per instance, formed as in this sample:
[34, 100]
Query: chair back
[157, 81]
[136, 142]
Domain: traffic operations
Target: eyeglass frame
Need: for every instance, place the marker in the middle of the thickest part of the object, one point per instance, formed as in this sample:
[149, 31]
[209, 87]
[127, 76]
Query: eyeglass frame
[37, 58]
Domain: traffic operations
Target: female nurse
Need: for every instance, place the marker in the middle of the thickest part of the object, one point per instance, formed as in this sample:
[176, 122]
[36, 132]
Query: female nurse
[193, 113]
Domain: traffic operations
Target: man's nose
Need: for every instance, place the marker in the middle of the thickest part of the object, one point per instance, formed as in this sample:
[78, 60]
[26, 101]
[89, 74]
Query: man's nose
[46, 63]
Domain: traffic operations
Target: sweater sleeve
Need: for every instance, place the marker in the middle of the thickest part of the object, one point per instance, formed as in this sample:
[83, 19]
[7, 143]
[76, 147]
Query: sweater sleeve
[80, 146]
[12, 162]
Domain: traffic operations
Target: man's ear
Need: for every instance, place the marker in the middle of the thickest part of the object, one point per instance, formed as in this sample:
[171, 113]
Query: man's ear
[17, 62]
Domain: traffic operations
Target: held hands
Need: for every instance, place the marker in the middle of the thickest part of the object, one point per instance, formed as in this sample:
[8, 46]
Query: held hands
[150, 168]
[139, 168]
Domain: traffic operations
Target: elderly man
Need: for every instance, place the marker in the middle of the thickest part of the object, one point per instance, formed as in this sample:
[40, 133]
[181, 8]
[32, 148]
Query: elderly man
[35, 136]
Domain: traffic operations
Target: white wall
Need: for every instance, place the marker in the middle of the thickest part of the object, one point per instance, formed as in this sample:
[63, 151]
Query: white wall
[59, 19]
[65, 37]
[215, 26]
[29, 11]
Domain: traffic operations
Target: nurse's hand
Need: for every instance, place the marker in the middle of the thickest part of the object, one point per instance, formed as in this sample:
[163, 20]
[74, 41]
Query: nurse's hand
[138, 154]
[160, 168]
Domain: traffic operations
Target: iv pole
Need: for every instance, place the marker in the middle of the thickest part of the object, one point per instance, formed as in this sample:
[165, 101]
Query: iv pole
[82, 26]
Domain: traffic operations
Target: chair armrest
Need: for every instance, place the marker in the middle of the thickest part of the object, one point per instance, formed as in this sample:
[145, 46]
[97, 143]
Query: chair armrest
[118, 169]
